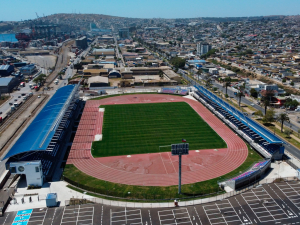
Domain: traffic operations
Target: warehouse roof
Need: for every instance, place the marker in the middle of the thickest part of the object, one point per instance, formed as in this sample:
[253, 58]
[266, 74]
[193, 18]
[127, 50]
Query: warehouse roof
[5, 67]
[39, 133]
[5, 81]
[98, 79]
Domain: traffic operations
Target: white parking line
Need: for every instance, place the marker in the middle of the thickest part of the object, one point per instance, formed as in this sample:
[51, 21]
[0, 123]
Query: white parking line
[77, 218]
[291, 197]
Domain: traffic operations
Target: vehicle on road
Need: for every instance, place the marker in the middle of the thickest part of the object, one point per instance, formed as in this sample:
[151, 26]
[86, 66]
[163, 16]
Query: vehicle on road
[10, 103]
[252, 104]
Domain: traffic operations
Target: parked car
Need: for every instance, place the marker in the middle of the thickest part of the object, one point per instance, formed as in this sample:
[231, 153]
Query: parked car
[10, 103]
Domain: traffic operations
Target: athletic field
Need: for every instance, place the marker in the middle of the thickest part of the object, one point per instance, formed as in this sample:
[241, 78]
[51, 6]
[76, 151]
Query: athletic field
[141, 128]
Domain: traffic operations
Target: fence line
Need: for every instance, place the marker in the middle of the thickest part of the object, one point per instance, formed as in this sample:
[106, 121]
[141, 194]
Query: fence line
[182, 201]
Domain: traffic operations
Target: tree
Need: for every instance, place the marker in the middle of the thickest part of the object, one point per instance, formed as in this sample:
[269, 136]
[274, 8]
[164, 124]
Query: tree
[78, 66]
[259, 113]
[292, 83]
[287, 132]
[240, 94]
[178, 62]
[281, 118]
[208, 82]
[40, 79]
[161, 74]
[199, 72]
[269, 116]
[227, 83]
[253, 93]
[267, 96]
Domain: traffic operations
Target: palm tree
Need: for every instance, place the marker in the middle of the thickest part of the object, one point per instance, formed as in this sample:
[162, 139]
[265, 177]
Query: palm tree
[227, 83]
[208, 83]
[240, 94]
[266, 103]
[283, 117]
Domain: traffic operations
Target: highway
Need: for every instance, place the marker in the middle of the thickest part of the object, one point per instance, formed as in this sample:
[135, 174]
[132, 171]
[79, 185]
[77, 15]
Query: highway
[290, 148]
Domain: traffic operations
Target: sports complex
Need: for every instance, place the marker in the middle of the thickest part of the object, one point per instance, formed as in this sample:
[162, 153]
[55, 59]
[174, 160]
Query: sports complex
[125, 140]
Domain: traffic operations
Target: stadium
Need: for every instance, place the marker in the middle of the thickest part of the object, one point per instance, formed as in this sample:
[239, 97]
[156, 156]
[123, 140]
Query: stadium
[122, 143]
[114, 144]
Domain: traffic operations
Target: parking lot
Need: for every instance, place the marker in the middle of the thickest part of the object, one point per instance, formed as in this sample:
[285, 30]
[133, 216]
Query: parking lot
[277, 203]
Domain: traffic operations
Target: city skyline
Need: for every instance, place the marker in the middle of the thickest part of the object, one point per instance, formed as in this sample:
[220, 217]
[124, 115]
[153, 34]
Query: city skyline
[153, 9]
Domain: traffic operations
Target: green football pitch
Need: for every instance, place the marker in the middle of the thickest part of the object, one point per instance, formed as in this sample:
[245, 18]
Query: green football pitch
[141, 128]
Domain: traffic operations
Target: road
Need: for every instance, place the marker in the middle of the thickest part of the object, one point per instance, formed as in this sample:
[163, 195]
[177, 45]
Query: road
[62, 61]
[290, 148]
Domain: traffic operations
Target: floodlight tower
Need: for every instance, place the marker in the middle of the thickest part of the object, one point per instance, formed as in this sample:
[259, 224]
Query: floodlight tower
[180, 149]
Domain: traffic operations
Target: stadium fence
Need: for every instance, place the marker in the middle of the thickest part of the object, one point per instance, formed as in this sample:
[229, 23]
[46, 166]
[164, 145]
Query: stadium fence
[152, 199]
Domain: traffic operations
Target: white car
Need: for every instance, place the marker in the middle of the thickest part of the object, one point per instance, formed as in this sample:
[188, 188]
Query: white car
[252, 104]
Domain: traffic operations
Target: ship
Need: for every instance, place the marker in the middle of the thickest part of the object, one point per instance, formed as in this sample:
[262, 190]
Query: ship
[23, 36]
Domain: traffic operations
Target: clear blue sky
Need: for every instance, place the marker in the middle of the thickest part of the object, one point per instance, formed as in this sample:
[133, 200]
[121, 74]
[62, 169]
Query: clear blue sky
[20, 9]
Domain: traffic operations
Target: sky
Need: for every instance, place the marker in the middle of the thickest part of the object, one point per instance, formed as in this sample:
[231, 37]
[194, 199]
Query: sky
[16, 10]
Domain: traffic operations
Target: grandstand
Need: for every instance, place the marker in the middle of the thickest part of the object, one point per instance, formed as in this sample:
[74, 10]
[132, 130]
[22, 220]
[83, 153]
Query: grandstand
[175, 91]
[40, 144]
[250, 176]
[264, 141]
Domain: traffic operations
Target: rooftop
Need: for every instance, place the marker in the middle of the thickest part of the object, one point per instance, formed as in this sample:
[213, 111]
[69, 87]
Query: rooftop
[5, 81]
[39, 133]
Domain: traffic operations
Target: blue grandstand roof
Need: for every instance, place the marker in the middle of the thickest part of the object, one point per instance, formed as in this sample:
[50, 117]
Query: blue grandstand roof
[39, 133]
[257, 128]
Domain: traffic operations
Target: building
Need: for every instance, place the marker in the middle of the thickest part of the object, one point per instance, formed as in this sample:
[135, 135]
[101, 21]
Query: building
[260, 86]
[95, 72]
[81, 43]
[170, 74]
[104, 52]
[97, 82]
[28, 70]
[37, 158]
[124, 33]
[203, 48]
[114, 74]
[7, 84]
[6, 70]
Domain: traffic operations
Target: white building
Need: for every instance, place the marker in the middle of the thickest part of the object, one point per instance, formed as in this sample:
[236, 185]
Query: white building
[32, 170]
[203, 48]
[259, 86]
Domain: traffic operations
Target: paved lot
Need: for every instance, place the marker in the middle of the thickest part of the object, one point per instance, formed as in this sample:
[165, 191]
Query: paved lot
[268, 204]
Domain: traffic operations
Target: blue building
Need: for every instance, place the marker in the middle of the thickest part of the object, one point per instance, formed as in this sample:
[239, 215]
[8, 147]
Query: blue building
[6, 70]
[28, 70]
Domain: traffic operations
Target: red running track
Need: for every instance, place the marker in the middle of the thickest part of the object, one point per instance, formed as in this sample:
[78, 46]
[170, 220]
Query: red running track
[155, 169]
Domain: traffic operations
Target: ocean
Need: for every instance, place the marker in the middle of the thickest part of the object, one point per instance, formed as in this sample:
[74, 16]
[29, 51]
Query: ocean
[8, 37]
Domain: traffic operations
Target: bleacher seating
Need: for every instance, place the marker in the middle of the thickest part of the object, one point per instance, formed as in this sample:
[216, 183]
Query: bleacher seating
[260, 164]
[235, 118]
[174, 91]
[243, 175]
